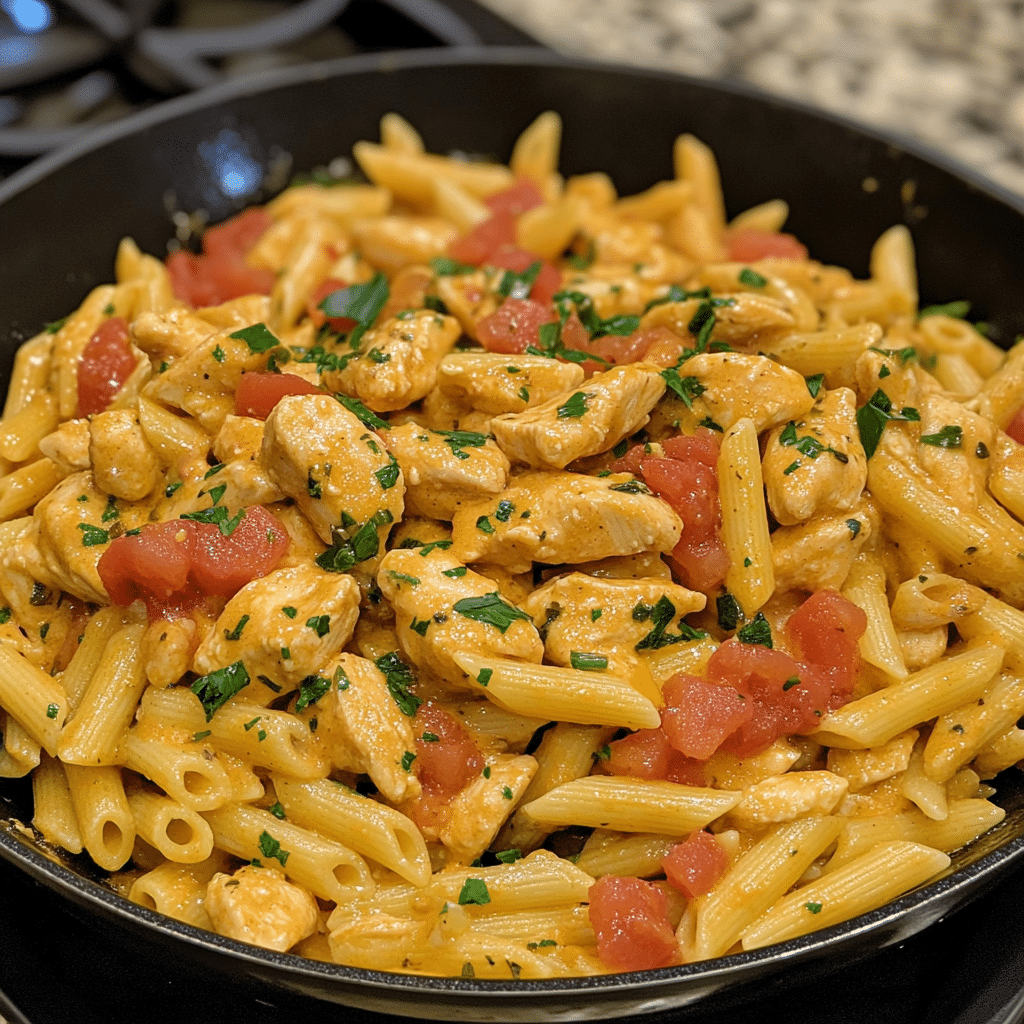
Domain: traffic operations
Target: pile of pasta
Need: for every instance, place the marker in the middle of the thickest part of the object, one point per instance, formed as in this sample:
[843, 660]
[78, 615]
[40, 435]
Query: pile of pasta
[467, 570]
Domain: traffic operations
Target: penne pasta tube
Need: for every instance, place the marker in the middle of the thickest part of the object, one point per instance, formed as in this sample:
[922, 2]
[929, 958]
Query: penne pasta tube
[631, 805]
[561, 694]
[25, 486]
[370, 828]
[751, 575]
[20, 752]
[869, 881]
[177, 831]
[34, 699]
[636, 854]
[865, 587]
[876, 718]
[178, 890]
[106, 709]
[53, 810]
[101, 809]
[757, 880]
[187, 772]
[324, 867]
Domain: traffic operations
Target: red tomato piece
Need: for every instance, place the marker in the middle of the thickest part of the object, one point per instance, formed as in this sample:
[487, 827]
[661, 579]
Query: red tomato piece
[236, 236]
[786, 696]
[511, 257]
[221, 272]
[105, 365]
[519, 197]
[1015, 428]
[691, 488]
[699, 715]
[175, 564]
[747, 245]
[826, 628]
[474, 248]
[153, 564]
[258, 393]
[630, 918]
[652, 344]
[644, 755]
[222, 565]
[446, 760]
[513, 326]
[702, 447]
[696, 864]
[338, 324]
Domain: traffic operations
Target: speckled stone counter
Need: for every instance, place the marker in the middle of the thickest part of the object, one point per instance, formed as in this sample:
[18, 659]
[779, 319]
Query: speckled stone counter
[949, 73]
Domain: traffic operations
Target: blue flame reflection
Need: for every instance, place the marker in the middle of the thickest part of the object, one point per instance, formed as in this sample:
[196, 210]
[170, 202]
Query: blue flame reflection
[231, 163]
[28, 15]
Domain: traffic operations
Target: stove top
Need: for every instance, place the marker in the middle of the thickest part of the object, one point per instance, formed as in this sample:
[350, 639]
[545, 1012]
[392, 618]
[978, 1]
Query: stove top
[67, 67]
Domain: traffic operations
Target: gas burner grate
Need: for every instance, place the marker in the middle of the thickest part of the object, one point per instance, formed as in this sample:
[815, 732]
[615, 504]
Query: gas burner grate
[67, 67]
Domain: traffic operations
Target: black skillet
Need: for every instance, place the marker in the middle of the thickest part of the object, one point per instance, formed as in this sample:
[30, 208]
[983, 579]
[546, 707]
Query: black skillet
[62, 217]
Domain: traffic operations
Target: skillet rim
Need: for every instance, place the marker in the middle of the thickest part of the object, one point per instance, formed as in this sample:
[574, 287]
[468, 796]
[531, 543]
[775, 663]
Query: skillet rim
[942, 895]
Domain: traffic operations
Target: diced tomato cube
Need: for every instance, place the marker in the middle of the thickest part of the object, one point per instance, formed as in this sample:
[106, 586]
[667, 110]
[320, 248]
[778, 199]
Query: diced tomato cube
[826, 628]
[630, 918]
[699, 715]
[519, 197]
[695, 865]
[652, 344]
[222, 565]
[643, 755]
[221, 272]
[338, 324]
[447, 759]
[511, 257]
[106, 363]
[175, 564]
[702, 446]
[258, 393]
[747, 245]
[474, 248]
[513, 326]
[1015, 428]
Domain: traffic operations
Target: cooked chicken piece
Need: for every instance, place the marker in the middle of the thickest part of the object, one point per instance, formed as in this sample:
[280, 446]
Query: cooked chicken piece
[72, 526]
[478, 810]
[645, 564]
[584, 421]
[444, 472]
[469, 297]
[788, 797]
[338, 472]
[441, 608]
[580, 614]
[818, 554]
[68, 446]
[955, 446]
[397, 241]
[559, 517]
[284, 625]
[866, 767]
[362, 727]
[613, 294]
[397, 362]
[167, 649]
[202, 381]
[904, 383]
[741, 320]
[123, 463]
[816, 464]
[165, 336]
[495, 382]
[258, 905]
[304, 544]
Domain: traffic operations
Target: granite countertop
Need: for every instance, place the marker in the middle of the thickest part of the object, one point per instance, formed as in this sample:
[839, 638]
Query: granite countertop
[949, 73]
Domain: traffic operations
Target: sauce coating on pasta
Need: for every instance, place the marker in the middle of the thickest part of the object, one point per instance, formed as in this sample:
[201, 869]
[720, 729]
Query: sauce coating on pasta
[475, 572]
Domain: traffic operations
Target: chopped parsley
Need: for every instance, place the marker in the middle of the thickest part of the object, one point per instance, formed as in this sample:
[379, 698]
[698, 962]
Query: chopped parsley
[491, 609]
[387, 476]
[445, 266]
[407, 759]
[950, 436]
[587, 662]
[399, 677]
[218, 687]
[751, 278]
[52, 710]
[354, 406]
[290, 611]
[235, 634]
[757, 631]
[346, 552]
[93, 536]
[686, 388]
[459, 570]
[419, 626]
[814, 384]
[258, 337]
[808, 446]
[729, 612]
[401, 577]
[957, 309]
[320, 624]
[359, 302]
[474, 890]
[483, 679]
[311, 689]
[872, 418]
[517, 285]
[660, 615]
[459, 439]
[270, 847]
